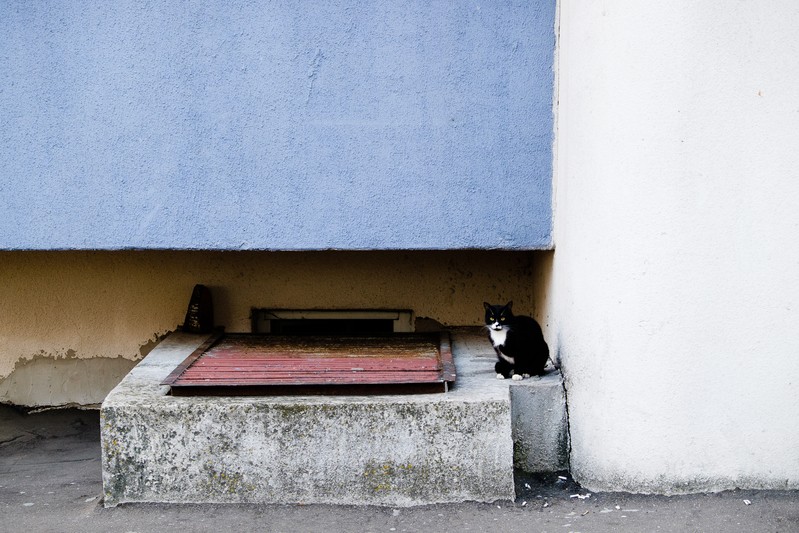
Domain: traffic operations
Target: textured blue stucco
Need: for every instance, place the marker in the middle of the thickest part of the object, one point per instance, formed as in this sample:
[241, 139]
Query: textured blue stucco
[276, 125]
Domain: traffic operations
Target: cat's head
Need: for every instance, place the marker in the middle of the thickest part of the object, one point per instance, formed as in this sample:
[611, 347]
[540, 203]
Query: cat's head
[498, 316]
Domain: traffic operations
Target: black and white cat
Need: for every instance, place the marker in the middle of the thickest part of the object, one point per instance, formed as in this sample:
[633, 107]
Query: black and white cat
[518, 341]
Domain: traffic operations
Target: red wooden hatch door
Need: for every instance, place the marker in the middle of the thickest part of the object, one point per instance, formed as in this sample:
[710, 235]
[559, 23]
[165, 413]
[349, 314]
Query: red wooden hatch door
[246, 364]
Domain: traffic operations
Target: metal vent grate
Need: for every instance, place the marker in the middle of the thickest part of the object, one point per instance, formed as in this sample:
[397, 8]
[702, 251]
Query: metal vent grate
[331, 322]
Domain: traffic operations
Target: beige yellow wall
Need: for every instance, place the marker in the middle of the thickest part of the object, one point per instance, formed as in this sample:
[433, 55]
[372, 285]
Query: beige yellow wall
[73, 323]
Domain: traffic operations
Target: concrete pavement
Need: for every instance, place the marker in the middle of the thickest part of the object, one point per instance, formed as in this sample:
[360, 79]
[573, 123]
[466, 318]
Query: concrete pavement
[50, 481]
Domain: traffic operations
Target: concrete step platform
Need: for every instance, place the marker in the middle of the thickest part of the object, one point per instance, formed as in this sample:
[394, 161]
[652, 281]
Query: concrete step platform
[398, 450]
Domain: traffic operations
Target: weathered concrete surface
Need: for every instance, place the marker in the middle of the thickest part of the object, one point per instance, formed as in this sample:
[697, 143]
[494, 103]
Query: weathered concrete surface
[539, 424]
[539, 421]
[385, 450]
[50, 482]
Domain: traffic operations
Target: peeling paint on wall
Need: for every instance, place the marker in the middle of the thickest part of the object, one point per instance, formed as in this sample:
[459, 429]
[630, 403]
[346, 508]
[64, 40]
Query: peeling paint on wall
[62, 378]
[47, 381]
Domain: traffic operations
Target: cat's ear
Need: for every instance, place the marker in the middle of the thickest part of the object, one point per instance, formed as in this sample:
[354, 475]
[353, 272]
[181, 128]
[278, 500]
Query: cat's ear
[486, 305]
[509, 306]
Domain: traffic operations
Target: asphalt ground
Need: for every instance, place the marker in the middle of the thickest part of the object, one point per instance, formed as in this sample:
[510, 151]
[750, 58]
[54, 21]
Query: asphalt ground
[50, 481]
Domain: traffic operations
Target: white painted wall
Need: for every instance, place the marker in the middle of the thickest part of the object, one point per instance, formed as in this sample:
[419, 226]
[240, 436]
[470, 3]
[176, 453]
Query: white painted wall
[674, 293]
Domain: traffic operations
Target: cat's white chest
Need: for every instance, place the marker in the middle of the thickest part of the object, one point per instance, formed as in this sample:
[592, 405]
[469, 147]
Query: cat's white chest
[498, 336]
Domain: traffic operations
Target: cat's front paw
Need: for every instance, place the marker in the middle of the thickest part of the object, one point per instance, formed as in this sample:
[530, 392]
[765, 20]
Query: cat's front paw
[517, 377]
[500, 376]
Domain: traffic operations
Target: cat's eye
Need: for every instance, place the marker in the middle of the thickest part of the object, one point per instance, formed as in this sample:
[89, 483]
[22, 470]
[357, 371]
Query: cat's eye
[502, 319]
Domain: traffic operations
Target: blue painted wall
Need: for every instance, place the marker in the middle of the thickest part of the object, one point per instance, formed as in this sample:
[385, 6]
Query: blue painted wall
[276, 125]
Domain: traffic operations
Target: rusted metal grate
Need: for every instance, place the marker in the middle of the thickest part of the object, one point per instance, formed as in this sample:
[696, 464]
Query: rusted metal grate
[246, 364]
